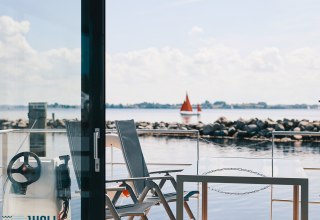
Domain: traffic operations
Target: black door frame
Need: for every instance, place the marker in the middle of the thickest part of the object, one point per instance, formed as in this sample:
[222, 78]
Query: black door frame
[92, 109]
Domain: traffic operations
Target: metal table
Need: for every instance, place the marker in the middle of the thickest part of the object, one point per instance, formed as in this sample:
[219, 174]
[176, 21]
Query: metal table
[283, 172]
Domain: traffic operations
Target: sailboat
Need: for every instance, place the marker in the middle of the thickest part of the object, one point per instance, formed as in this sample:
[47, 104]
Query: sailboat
[186, 108]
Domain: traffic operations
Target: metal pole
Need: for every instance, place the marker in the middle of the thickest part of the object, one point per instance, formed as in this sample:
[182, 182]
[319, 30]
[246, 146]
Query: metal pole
[272, 154]
[271, 202]
[198, 151]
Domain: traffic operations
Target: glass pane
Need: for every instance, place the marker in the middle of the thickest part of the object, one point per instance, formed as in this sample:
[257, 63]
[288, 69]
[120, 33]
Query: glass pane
[40, 59]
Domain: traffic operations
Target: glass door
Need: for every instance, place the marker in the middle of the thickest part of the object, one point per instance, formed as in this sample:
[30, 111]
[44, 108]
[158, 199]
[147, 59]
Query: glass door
[52, 110]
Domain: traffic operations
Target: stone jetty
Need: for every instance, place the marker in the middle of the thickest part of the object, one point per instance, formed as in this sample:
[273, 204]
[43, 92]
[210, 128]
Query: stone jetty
[254, 129]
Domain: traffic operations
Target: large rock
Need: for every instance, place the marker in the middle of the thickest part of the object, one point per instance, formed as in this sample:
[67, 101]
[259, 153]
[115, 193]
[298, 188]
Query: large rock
[240, 124]
[221, 133]
[261, 124]
[279, 127]
[208, 129]
[22, 124]
[251, 129]
[162, 125]
[288, 124]
[199, 126]
[183, 128]
[3, 120]
[302, 125]
[309, 127]
[216, 126]
[270, 123]
[316, 124]
[241, 134]
[298, 136]
[303, 122]
[148, 127]
[265, 133]
[144, 124]
[172, 126]
[231, 131]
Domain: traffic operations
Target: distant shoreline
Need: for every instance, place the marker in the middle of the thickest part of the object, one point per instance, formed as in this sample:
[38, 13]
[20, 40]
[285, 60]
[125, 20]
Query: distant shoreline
[205, 105]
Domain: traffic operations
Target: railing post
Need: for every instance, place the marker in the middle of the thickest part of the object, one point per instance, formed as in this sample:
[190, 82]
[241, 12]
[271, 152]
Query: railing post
[272, 153]
[304, 200]
[296, 202]
[204, 201]
[198, 151]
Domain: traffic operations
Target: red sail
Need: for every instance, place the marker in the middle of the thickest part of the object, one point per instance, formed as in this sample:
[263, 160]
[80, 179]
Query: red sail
[186, 106]
[183, 106]
[199, 108]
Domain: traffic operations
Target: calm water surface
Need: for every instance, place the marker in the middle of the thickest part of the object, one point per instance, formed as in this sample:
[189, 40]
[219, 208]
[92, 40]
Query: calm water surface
[172, 115]
[183, 150]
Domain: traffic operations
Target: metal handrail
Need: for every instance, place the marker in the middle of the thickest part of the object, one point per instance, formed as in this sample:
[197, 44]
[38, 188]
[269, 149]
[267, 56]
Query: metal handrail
[140, 131]
[62, 130]
[304, 133]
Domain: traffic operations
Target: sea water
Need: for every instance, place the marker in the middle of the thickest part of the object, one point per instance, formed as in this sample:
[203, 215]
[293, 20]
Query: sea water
[173, 150]
[172, 115]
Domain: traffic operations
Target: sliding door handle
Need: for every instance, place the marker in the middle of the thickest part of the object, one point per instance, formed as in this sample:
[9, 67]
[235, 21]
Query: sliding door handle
[96, 136]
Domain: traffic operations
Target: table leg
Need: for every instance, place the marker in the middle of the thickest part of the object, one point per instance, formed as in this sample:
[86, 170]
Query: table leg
[296, 202]
[179, 199]
[204, 201]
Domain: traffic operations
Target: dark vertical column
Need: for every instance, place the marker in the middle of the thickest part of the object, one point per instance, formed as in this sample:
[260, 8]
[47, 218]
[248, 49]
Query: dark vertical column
[38, 120]
[92, 108]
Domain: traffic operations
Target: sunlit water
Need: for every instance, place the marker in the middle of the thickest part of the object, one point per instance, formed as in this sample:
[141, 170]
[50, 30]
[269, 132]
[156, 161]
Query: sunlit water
[183, 150]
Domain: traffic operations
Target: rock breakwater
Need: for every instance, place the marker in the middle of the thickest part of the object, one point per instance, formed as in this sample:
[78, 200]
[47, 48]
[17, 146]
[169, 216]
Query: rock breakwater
[255, 129]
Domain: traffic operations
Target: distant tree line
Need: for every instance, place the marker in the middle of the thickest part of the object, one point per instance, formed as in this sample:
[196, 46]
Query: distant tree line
[205, 105]
[214, 105]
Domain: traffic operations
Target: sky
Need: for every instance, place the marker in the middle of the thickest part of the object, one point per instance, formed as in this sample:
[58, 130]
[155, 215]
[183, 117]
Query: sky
[238, 51]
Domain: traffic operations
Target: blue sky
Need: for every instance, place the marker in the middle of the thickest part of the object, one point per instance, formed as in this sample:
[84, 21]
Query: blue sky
[237, 51]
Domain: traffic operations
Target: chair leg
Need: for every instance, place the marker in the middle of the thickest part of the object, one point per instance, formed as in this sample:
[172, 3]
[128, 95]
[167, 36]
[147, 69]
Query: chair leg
[162, 199]
[188, 210]
[185, 204]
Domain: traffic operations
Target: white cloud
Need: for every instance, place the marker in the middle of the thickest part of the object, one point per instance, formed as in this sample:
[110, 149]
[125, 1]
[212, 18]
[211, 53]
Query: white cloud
[212, 71]
[30, 75]
[195, 30]
[265, 60]
[216, 72]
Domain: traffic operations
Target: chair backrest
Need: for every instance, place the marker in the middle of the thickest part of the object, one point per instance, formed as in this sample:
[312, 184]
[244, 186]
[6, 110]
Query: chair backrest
[132, 152]
[74, 138]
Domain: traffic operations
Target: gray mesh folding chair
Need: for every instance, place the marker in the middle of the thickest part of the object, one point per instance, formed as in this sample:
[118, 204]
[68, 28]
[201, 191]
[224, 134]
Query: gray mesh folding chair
[138, 208]
[137, 168]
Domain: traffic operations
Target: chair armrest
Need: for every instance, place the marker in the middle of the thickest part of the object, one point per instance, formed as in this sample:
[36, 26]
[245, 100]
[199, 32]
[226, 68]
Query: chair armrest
[166, 171]
[116, 188]
[159, 178]
[126, 179]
